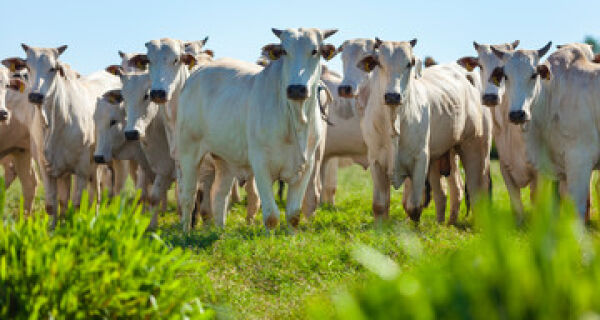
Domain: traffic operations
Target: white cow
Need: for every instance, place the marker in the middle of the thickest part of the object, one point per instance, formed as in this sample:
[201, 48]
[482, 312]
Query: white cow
[68, 104]
[354, 87]
[516, 170]
[15, 139]
[109, 119]
[264, 121]
[556, 105]
[26, 113]
[415, 116]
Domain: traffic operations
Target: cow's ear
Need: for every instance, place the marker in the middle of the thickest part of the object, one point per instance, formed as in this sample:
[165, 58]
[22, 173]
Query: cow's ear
[139, 61]
[515, 44]
[16, 84]
[274, 51]
[121, 54]
[113, 96]
[328, 33]
[469, 63]
[14, 64]
[543, 71]
[368, 63]
[115, 70]
[429, 61]
[189, 60]
[328, 51]
[60, 50]
[210, 53]
[413, 42]
[597, 58]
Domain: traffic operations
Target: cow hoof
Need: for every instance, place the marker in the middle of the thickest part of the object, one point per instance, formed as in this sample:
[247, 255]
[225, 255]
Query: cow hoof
[271, 222]
[380, 211]
[295, 220]
[414, 214]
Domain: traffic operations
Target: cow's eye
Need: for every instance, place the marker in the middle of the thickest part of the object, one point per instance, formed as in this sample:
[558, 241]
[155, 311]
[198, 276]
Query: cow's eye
[176, 60]
[146, 97]
[409, 65]
[113, 122]
[52, 70]
[534, 75]
[314, 52]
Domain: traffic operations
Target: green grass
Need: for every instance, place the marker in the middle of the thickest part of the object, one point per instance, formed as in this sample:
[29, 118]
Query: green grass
[255, 276]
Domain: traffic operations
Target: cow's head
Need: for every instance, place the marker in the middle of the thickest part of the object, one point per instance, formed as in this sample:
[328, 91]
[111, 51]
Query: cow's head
[352, 51]
[394, 65]
[299, 53]
[169, 66]
[522, 73]
[136, 96]
[109, 122]
[130, 67]
[7, 82]
[487, 62]
[44, 70]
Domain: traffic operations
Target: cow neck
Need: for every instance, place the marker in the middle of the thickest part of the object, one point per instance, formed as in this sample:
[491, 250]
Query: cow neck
[299, 119]
[57, 106]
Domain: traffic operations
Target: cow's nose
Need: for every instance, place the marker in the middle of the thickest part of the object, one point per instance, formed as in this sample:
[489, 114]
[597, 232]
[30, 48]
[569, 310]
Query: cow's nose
[297, 92]
[392, 99]
[132, 135]
[99, 159]
[490, 100]
[517, 117]
[3, 115]
[36, 98]
[158, 96]
[345, 91]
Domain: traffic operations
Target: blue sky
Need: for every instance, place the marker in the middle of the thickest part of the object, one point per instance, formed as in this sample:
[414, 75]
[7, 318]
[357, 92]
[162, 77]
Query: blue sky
[95, 30]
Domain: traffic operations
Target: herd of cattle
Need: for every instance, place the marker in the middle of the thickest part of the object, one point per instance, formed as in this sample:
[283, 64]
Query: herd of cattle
[173, 114]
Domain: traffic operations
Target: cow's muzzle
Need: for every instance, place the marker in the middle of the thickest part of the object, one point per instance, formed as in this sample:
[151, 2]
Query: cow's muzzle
[345, 91]
[3, 115]
[158, 96]
[99, 159]
[36, 98]
[517, 117]
[392, 99]
[490, 100]
[297, 92]
[132, 135]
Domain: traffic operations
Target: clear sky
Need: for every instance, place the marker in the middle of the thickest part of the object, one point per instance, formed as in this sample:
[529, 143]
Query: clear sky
[95, 30]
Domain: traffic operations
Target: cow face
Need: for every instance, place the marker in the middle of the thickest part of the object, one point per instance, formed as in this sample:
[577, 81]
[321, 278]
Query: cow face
[109, 122]
[395, 66]
[140, 109]
[352, 51]
[44, 69]
[7, 82]
[523, 74]
[487, 62]
[168, 64]
[300, 52]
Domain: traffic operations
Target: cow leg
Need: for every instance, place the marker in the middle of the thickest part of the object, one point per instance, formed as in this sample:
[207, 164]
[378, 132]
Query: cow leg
[439, 196]
[474, 159]
[63, 184]
[24, 170]
[133, 172]
[219, 195]
[296, 194]
[208, 177]
[579, 171]
[329, 170]
[455, 184]
[418, 179]
[235, 193]
[10, 173]
[253, 200]
[157, 195]
[51, 198]
[311, 196]
[381, 191]
[264, 184]
[514, 192]
[120, 172]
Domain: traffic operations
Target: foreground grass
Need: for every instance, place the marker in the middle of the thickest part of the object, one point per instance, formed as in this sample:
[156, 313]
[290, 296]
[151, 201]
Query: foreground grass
[255, 276]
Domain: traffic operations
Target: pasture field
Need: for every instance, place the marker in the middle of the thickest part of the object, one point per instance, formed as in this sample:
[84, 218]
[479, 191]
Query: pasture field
[289, 276]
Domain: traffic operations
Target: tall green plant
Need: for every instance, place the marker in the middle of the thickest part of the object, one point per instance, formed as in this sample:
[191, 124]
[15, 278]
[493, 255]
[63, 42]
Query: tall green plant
[94, 265]
[549, 271]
